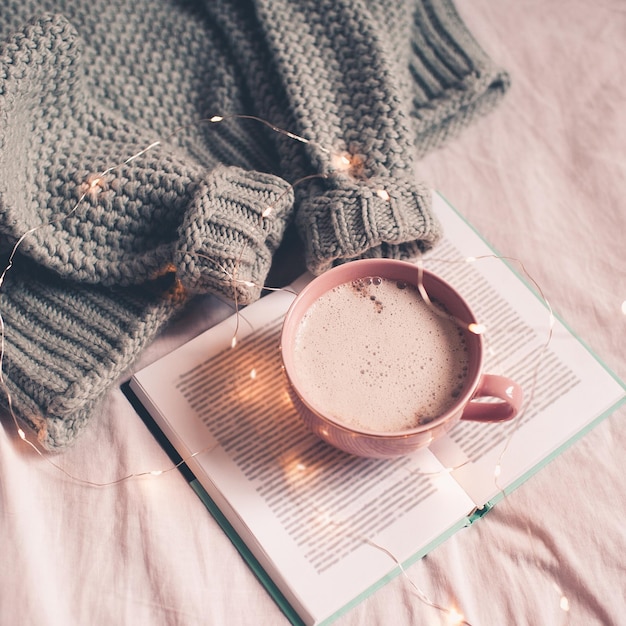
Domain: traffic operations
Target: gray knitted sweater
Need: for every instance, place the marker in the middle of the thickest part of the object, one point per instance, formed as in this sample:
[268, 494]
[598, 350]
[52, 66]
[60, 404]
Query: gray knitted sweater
[111, 247]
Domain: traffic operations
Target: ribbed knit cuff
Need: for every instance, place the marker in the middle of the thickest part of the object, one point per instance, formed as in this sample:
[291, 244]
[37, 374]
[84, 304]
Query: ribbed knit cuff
[233, 227]
[362, 219]
[67, 343]
[454, 80]
[387, 82]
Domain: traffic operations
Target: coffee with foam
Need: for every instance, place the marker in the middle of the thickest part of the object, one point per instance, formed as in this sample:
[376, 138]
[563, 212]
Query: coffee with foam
[373, 355]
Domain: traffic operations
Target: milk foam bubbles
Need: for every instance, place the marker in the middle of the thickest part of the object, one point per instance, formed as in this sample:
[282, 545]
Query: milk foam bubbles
[373, 355]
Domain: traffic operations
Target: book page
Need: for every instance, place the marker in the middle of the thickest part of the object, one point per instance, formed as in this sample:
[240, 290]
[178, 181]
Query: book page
[314, 516]
[565, 387]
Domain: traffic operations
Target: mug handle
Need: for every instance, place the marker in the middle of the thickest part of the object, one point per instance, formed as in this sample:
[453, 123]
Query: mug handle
[493, 386]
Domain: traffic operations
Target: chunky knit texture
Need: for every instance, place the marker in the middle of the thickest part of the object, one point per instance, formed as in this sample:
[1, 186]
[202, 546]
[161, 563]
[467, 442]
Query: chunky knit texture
[110, 257]
[384, 81]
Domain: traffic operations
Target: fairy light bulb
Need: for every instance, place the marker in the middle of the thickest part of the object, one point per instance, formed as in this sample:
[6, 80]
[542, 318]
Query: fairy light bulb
[563, 599]
[455, 618]
[341, 162]
[624, 307]
[383, 194]
[477, 329]
[91, 188]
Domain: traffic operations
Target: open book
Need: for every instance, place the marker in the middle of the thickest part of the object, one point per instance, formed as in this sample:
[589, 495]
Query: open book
[322, 529]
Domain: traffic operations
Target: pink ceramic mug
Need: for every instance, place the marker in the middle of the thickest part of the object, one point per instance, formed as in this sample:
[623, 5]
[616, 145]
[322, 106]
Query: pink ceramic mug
[468, 402]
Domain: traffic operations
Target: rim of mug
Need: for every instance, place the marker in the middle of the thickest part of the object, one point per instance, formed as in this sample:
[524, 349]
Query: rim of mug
[290, 325]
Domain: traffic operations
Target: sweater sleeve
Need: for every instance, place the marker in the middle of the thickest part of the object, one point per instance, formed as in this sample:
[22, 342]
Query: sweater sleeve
[101, 197]
[371, 86]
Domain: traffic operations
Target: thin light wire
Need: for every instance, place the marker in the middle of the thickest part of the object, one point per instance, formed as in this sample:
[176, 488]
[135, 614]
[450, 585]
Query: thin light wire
[344, 166]
[419, 592]
[90, 186]
[529, 397]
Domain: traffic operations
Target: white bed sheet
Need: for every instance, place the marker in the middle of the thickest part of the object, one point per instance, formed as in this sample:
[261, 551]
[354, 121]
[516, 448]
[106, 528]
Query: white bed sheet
[544, 179]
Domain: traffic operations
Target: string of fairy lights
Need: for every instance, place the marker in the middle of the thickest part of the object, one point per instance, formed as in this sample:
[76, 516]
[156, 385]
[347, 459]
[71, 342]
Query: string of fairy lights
[343, 164]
